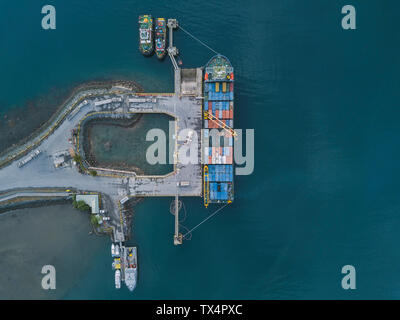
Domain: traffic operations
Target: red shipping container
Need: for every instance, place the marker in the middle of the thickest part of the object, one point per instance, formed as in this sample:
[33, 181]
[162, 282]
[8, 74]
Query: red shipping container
[209, 105]
[217, 113]
[231, 86]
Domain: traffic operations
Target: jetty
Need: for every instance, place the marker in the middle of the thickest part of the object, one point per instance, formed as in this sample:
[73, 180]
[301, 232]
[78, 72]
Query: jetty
[52, 163]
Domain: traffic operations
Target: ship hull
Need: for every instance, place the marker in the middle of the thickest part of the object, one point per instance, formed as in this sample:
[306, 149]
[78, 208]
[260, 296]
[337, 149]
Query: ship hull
[218, 107]
[130, 267]
[160, 55]
[160, 38]
[146, 46]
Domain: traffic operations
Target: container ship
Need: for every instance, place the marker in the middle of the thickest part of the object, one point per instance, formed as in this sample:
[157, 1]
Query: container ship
[146, 46]
[218, 167]
[160, 37]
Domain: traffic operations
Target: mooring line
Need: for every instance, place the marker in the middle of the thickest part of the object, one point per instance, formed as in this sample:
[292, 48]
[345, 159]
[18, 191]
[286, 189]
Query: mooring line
[209, 217]
[201, 42]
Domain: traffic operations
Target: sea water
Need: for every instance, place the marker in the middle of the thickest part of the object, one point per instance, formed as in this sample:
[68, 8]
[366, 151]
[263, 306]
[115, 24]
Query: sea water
[324, 105]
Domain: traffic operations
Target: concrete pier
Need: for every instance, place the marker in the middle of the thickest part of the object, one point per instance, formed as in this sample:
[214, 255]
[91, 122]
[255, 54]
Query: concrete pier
[41, 173]
[117, 186]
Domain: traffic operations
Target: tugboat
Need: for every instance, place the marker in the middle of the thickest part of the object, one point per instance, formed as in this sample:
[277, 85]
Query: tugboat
[160, 37]
[146, 34]
[131, 267]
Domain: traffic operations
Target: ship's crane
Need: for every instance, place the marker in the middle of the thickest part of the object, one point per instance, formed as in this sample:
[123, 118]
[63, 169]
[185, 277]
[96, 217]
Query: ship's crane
[210, 116]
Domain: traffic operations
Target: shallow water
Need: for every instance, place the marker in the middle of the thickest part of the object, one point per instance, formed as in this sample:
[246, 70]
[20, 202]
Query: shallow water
[56, 235]
[125, 147]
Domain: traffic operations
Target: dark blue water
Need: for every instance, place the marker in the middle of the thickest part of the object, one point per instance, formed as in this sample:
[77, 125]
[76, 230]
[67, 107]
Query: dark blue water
[324, 105]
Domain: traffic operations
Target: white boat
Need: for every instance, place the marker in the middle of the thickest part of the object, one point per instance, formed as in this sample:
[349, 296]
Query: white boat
[112, 249]
[117, 279]
[117, 250]
[131, 267]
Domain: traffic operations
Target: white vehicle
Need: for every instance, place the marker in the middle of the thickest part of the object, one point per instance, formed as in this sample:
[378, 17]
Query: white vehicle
[183, 183]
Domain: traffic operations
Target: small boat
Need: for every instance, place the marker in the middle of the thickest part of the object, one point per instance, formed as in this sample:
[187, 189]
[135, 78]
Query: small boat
[117, 279]
[160, 37]
[146, 46]
[117, 250]
[112, 250]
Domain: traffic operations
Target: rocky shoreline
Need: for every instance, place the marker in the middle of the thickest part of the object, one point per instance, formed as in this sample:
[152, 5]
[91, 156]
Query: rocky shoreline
[6, 155]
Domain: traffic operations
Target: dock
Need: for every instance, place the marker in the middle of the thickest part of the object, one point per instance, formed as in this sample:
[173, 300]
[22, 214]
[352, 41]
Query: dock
[31, 172]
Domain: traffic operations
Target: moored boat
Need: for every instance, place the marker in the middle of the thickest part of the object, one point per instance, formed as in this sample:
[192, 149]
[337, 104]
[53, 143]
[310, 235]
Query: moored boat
[117, 279]
[131, 267]
[160, 37]
[146, 46]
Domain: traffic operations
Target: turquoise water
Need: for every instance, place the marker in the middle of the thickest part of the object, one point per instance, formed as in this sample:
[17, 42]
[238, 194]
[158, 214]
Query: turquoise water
[324, 106]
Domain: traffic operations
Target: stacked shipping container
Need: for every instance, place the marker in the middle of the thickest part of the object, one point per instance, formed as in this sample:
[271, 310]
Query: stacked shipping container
[218, 101]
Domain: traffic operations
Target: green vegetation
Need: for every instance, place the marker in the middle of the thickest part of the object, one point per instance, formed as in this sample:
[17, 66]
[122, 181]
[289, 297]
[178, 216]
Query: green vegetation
[94, 219]
[93, 173]
[81, 205]
[78, 159]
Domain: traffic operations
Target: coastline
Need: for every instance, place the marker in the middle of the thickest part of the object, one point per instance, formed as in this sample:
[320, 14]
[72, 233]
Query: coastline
[61, 112]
